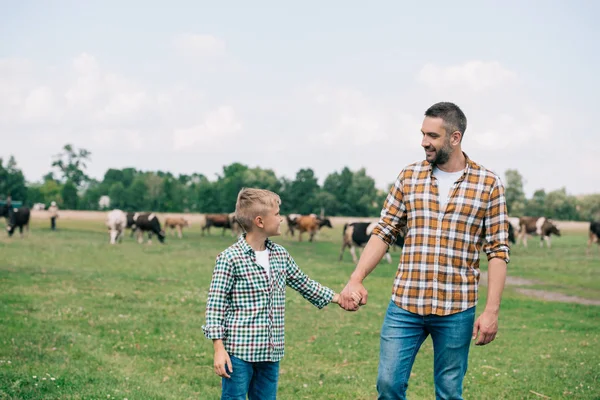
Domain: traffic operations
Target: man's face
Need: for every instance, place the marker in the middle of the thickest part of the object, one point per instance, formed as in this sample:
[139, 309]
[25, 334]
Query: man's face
[436, 141]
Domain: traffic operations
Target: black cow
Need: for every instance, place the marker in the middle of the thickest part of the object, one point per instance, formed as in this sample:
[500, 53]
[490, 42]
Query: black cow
[357, 234]
[541, 226]
[594, 234]
[145, 222]
[15, 218]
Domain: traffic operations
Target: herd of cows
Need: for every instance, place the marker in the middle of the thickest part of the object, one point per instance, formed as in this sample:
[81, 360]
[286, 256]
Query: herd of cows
[355, 234]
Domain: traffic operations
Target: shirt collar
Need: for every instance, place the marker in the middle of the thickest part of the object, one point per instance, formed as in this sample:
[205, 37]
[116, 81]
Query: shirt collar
[469, 165]
[246, 248]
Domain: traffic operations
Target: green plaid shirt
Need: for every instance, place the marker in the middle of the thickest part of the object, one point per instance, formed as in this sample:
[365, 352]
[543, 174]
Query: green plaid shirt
[246, 309]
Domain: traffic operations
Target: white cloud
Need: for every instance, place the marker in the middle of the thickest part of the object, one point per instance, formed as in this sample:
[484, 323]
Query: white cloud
[198, 45]
[512, 131]
[475, 75]
[219, 125]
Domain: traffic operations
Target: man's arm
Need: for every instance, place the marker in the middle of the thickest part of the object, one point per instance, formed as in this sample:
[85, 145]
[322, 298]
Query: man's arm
[497, 250]
[487, 323]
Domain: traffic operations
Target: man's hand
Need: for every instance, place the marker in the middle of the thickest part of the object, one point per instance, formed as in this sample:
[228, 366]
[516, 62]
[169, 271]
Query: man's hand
[347, 302]
[486, 326]
[221, 360]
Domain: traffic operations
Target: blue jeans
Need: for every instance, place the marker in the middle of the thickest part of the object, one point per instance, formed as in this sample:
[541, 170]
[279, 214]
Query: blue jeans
[257, 380]
[402, 335]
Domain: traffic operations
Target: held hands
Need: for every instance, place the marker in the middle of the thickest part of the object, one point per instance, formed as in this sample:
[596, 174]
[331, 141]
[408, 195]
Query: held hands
[355, 297]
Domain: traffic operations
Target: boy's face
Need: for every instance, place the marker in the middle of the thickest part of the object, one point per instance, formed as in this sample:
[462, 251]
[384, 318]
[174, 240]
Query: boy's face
[272, 221]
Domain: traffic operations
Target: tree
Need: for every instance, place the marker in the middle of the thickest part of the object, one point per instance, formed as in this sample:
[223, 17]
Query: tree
[69, 196]
[560, 205]
[12, 181]
[515, 195]
[117, 195]
[589, 207]
[72, 164]
[536, 207]
[302, 192]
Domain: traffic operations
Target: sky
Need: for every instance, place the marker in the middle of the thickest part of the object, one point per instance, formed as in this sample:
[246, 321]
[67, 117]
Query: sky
[191, 86]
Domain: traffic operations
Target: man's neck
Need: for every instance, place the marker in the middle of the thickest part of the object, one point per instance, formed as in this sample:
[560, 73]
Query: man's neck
[457, 162]
[256, 240]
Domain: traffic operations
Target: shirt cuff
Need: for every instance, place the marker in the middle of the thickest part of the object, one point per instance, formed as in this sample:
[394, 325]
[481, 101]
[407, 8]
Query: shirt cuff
[213, 331]
[386, 237]
[325, 299]
[499, 254]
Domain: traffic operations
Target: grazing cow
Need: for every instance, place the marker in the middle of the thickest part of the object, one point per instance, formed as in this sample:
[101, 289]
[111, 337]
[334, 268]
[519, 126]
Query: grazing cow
[176, 223]
[145, 222]
[116, 222]
[311, 224]
[357, 234]
[292, 222]
[225, 221]
[594, 235]
[541, 226]
[15, 218]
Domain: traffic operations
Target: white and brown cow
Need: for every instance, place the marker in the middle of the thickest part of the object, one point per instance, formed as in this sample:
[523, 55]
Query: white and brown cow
[116, 222]
[594, 235]
[357, 234]
[539, 226]
[176, 224]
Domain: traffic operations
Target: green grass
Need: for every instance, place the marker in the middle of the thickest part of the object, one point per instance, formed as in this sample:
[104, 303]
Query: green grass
[89, 320]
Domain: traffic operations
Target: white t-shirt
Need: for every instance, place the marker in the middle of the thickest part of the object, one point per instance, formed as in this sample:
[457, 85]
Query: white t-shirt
[445, 182]
[262, 259]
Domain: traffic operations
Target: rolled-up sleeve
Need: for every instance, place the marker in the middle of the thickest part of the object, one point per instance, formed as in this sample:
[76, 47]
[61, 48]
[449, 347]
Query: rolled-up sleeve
[393, 213]
[311, 290]
[496, 225]
[217, 303]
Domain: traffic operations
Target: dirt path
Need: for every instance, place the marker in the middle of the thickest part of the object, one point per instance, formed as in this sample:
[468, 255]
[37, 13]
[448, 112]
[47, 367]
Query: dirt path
[540, 294]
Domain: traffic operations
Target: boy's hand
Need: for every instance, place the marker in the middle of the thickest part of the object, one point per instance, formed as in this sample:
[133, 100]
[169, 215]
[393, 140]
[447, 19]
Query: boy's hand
[221, 360]
[336, 298]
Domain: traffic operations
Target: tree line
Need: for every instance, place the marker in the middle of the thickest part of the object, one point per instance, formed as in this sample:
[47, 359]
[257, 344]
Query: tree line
[344, 193]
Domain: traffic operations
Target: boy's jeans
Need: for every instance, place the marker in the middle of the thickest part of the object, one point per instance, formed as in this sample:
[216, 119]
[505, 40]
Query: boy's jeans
[257, 380]
[401, 337]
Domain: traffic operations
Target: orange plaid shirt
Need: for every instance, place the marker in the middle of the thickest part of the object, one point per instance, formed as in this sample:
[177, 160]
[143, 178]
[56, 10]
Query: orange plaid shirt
[439, 267]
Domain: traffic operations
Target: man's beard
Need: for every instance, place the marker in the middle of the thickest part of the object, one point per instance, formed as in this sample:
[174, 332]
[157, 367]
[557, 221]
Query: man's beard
[442, 155]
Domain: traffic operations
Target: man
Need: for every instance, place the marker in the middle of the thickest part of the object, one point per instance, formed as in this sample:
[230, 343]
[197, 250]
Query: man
[53, 210]
[445, 202]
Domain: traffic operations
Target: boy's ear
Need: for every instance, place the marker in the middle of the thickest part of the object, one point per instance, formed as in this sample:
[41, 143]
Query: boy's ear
[258, 221]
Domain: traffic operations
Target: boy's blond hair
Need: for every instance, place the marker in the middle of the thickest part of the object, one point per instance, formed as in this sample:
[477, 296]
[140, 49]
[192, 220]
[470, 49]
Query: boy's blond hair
[253, 202]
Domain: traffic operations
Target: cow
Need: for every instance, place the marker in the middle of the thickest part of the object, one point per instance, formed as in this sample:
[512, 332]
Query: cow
[225, 221]
[291, 223]
[145, 222]
[357, 234]
[15, 218]
[541, 226]
[311, 224]
[176, 223]
[116, 222]
[594, 235]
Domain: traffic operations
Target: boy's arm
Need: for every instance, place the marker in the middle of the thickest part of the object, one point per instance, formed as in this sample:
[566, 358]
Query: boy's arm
[222, 361]
[220, 287]
[312, 291]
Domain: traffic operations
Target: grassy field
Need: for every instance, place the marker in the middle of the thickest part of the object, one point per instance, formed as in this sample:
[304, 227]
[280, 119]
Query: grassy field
[81, 319]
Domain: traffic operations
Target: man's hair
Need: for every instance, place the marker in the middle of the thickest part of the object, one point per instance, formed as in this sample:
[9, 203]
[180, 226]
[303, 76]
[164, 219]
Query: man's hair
[253, 202]
[454, 118]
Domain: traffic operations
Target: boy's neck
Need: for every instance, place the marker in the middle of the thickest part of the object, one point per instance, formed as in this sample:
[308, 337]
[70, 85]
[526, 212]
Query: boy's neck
[256, 240]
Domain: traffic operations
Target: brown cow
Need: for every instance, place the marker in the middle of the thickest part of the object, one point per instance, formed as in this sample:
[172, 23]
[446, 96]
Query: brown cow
[541, 226]
[176, 223]
[225, 221]
[311, 224]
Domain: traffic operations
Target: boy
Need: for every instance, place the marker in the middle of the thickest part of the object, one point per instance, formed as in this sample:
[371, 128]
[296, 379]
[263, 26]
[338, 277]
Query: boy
[246, 300]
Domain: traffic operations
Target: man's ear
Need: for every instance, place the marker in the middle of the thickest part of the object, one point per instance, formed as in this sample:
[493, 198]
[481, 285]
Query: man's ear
[455, 137]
